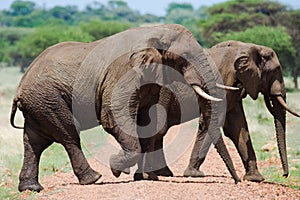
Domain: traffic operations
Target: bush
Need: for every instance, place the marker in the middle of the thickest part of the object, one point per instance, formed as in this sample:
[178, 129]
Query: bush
[99, 29]
[32, 45]
[9, 36]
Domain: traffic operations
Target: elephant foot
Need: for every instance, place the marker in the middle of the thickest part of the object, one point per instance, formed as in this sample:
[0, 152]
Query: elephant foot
[164, 172]
[116, 167]
[31, 185]
[117, 173]
[145, 176]
[192, 172]
[89, 178]
[126, 171]
[253, 176]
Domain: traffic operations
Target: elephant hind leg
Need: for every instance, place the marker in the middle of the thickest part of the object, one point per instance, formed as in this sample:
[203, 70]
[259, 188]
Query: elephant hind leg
[34, 145]
[68, 136]
[63, 127]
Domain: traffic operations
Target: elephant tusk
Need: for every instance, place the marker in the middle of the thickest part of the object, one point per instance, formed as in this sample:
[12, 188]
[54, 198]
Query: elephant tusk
[285, 106]
[204, 94]
[226, 87]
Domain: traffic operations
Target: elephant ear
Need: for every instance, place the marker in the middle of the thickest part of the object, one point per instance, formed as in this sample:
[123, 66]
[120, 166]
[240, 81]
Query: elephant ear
[147, 65]
[145, 57]
[247, 70]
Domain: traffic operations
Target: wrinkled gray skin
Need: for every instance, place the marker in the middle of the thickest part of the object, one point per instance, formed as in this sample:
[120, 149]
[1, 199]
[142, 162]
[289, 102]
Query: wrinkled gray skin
[254, 69]
[71, 87]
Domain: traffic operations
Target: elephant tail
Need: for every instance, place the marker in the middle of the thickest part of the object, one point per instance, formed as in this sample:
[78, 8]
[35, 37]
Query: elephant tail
[13, 113]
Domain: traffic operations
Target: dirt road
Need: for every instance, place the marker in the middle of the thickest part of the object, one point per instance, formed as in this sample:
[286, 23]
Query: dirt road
[216, 185]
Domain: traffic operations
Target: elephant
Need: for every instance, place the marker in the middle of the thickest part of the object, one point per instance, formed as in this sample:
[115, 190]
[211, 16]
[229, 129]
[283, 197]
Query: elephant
[74, 86]
[246, 68]
[255, 69]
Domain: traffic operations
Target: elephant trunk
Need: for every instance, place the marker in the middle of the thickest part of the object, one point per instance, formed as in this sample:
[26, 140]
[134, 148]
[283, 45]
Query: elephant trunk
[280, 123]
[279, 113]
[223, 152]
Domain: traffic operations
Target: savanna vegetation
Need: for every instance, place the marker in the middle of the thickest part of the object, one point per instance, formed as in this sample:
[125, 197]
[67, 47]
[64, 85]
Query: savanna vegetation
[26, 29]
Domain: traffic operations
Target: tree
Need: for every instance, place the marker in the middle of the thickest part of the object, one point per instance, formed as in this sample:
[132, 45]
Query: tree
[67, 22]
[239, 15]
[9, 36]
[30, 46]
[184, 14]
[67, 13]
[99, 29]
[179, 13]
[149, 18]
[179, 16]
[22, 7]
[292, 25]
[95, 8]
[121, 11]
[181, 6]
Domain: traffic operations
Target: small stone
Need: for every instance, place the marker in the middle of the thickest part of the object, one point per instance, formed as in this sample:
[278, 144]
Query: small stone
[268, 147]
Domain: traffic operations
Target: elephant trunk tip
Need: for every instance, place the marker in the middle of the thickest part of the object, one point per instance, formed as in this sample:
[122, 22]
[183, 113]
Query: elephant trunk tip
[236, 181]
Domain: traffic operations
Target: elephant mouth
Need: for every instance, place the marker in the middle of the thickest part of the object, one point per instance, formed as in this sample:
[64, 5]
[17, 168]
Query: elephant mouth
[281, 101]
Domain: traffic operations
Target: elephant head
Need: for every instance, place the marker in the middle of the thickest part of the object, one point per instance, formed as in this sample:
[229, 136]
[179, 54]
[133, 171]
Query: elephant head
[258, 69]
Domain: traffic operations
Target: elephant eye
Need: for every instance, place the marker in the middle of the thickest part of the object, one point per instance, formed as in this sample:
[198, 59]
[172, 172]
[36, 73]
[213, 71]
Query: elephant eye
[277, 69]
[244, 60]
[268, 56]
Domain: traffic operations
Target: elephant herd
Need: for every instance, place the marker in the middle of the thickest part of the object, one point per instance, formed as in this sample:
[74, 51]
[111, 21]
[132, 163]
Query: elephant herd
[139, 83]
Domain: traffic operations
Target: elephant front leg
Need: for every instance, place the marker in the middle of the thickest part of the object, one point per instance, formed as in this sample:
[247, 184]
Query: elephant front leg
[200, 151]
[195, 161]
[236, 129]
[127, 138]
[127, 157]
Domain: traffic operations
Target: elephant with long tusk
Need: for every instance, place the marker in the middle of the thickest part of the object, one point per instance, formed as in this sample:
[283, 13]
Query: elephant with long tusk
[245, 68]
